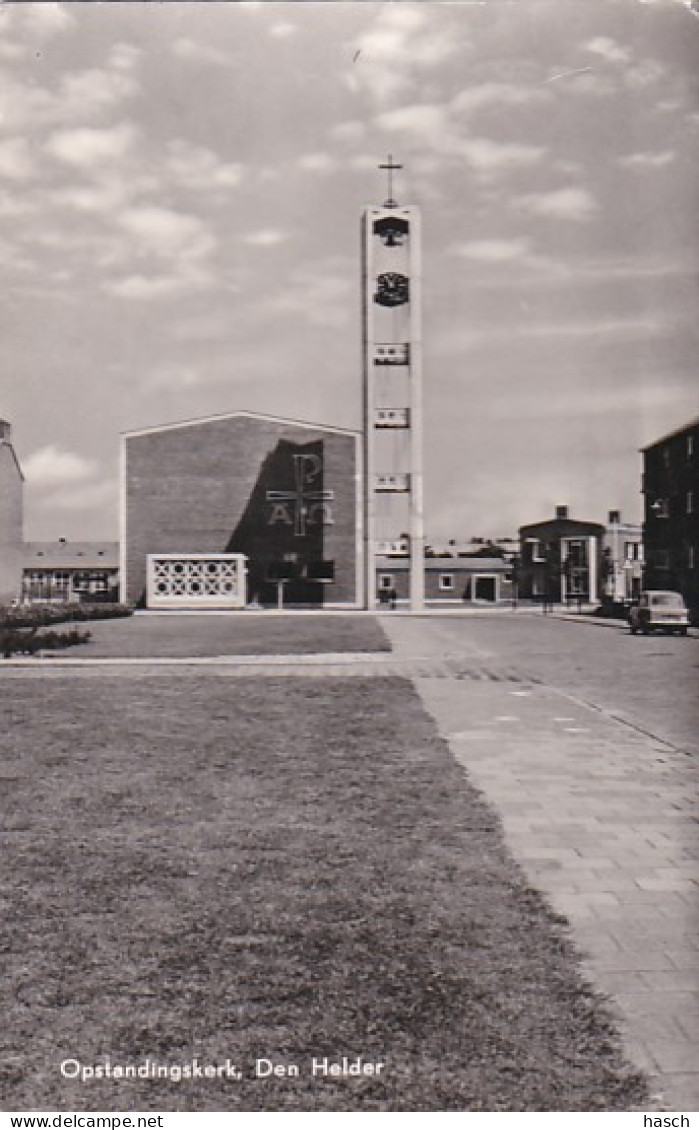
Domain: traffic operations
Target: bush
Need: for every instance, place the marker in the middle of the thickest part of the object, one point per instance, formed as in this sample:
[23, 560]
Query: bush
[613, 609]
[41, 615]
[19, 641]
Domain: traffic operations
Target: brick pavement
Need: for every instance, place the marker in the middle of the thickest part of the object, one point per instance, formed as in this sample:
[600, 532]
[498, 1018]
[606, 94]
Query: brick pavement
[603, 819]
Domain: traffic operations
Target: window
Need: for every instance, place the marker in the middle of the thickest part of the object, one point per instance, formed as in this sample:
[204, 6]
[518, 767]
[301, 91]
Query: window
[665, 600]
[577, 555]
[660, 508]
[662, 559]
[690, 557]
[446, 582]
[385, 580]
[536, 549]
[666, 457]
[690, 501]
[690, 447]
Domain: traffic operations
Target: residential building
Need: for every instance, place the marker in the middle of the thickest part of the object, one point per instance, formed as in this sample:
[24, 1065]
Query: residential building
[64, 572]
[560, 559]
[622, 560]
[670, 487]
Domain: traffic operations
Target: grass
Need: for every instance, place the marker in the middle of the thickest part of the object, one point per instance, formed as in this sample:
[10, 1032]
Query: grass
[245, 634]
[279, 868]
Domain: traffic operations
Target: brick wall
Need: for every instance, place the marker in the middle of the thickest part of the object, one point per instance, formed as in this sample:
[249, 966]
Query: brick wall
[11, 540]
[203, 487]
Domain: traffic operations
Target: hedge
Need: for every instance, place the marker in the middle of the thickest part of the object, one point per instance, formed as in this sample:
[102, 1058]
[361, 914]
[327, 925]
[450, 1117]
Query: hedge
[41, 615]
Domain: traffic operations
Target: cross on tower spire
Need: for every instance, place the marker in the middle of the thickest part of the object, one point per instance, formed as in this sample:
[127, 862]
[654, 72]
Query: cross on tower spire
[390, 167]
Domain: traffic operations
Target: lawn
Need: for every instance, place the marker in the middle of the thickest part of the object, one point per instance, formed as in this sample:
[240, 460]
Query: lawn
[278, 868]
[189, 636]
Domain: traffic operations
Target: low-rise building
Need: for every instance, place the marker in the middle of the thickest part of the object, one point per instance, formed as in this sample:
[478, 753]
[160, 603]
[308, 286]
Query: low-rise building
[474, 580]
[560, 560]
[622, 560]
[64, 572]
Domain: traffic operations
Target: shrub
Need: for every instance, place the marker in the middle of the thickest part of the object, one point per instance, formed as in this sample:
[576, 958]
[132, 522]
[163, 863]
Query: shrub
[19, 641]
[41, 615]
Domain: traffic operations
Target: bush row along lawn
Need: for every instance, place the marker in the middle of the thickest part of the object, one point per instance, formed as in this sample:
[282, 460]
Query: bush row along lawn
[279, 868]
[41, 615]
[29, 641]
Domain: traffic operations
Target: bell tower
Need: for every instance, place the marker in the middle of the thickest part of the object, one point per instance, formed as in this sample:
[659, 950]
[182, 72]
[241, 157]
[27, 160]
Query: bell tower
[392, 356]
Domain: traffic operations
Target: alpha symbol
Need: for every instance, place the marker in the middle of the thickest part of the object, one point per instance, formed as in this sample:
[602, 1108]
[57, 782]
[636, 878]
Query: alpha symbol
[307, 504]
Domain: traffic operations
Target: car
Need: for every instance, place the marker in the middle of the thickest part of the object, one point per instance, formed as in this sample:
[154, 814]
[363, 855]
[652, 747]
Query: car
[659, 610]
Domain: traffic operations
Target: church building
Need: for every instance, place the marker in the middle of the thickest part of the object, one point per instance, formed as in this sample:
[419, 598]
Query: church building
[241, 509]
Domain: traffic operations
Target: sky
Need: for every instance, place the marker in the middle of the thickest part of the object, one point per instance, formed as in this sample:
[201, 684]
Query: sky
[180, 193]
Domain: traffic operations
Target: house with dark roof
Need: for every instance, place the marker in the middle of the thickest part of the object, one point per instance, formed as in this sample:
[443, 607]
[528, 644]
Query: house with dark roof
[560, 559]
[61, 572]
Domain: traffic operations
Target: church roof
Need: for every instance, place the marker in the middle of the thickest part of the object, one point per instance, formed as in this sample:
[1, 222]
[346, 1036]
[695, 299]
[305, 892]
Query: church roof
[244, 415]
[64, 554]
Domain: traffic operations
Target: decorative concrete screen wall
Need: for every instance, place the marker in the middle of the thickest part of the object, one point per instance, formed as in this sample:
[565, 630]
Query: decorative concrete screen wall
[196, 580]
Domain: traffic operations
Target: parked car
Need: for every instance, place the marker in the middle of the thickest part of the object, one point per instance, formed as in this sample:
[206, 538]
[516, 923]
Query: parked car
[658, 610]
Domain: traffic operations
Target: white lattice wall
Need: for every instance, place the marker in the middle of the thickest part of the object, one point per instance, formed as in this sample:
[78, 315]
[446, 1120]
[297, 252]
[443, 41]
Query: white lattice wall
[196, 580]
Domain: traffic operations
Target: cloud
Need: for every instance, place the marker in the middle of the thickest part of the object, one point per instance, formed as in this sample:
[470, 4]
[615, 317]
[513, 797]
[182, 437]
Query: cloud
[430, 126]
[30, 23]
[100, 494]
[81, 97]
[282, 30]
[49, 466]
[561, 204]
[105, 195]
[48, 18]
[194, 167]
[167, 234]
[349, 132]
[172, 377]
[88, 94]
[607, 49]
[317, 163]
[586, 82]
[404, 41]
[422, 119]
[488, 157]
[176, 284]
[15, 161]
[604, 329]
[90, 148]
[487, 94]
[493, 250]
[11, 52]
[644, 74]
[648, 160]
[194, 52]
[265, 237]
[318, 292]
